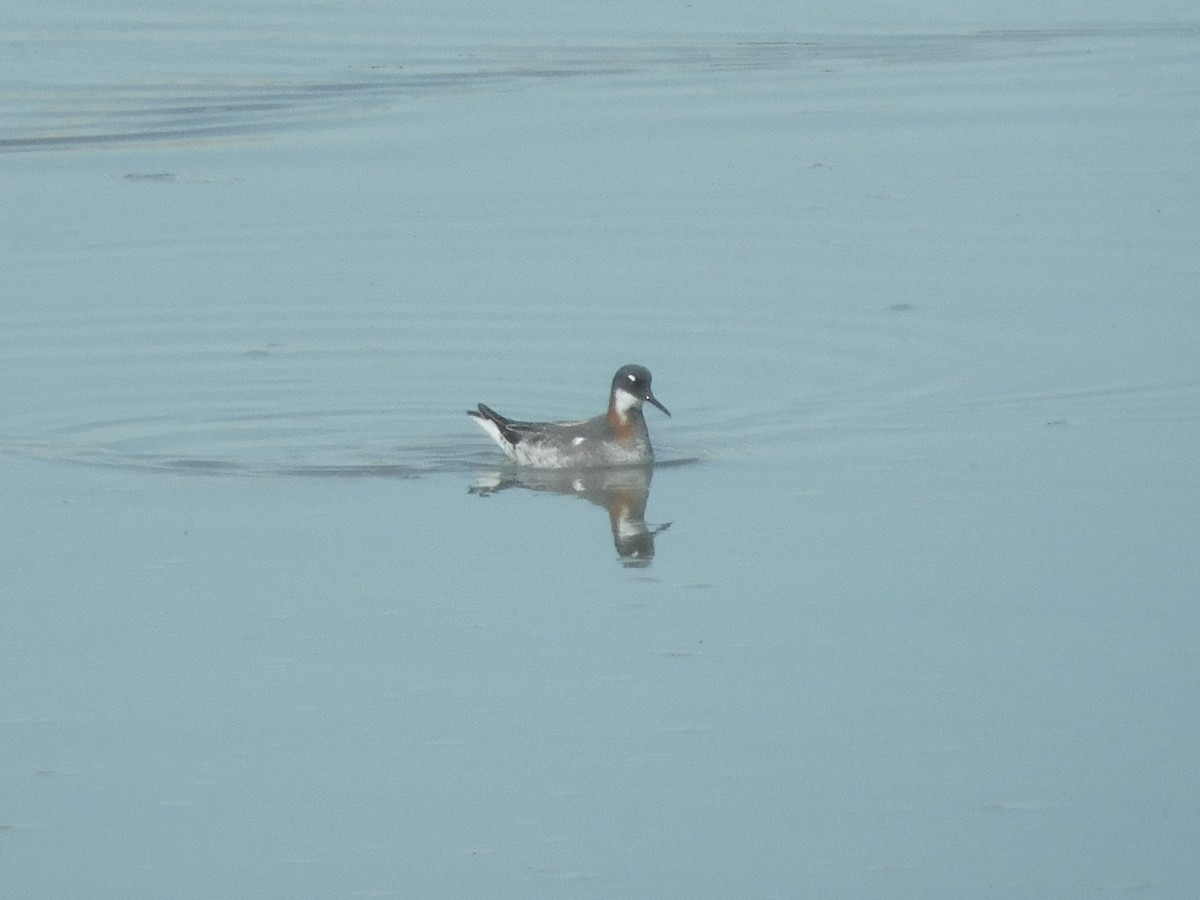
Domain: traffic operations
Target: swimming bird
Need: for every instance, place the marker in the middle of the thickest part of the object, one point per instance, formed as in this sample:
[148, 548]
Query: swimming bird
[618, 437]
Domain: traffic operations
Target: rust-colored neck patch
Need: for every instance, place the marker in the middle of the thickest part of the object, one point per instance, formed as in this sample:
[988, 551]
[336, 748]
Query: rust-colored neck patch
[622, 425]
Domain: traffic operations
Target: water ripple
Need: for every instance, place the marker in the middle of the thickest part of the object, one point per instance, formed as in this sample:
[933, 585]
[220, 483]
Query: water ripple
[197, 395]
[282, 94]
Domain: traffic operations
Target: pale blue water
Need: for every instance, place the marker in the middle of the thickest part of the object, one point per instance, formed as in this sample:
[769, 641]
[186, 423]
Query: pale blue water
[920, 618]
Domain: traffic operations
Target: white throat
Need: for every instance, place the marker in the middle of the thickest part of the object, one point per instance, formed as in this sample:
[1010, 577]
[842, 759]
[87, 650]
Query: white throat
[624, 401]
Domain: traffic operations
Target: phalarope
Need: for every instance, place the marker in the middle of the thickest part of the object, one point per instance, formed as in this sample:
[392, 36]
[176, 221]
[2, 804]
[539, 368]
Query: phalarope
[618, 437]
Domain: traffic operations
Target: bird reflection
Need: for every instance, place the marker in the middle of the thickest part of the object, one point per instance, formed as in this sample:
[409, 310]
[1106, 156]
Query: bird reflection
[622, 491]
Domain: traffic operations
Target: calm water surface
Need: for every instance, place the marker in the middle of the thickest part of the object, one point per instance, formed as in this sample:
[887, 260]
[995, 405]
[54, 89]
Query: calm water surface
[907, 610]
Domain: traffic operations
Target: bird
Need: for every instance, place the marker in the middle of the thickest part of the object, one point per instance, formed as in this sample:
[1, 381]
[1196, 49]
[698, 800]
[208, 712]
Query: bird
[617, 437]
